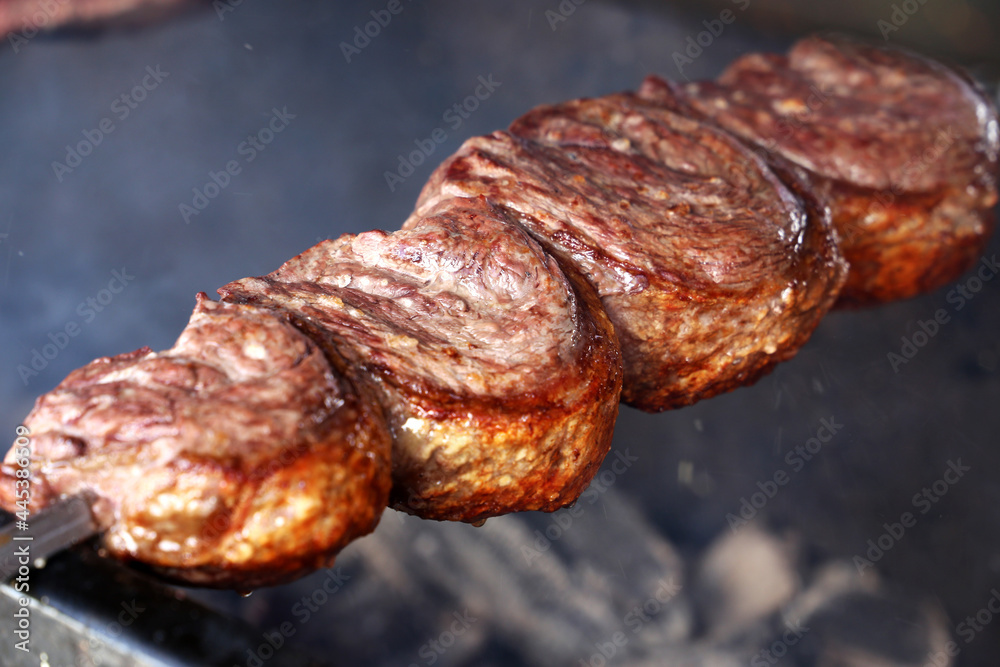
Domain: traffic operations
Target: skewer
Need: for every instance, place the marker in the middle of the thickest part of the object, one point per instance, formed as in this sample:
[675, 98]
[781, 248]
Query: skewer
[49, 531]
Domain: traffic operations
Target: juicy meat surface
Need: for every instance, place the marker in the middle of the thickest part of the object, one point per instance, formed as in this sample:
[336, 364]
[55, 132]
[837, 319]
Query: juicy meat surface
[711, 270]
[659, 247]
[238, 457]
[902, 149]
[500, 374]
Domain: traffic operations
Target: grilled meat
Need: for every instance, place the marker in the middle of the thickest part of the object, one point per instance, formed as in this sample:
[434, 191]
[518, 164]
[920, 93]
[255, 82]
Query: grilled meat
[474, 360]
[710, 269]
[239, 457]
[901, 148]
[499, 375]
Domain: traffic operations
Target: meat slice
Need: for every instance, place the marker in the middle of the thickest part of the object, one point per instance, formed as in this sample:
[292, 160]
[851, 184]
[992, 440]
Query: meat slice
[237, 458]
[500, 375]
[711, 270]
[902, 149]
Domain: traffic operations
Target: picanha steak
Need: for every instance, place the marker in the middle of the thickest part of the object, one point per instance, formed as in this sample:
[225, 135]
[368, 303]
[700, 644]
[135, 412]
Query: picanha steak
[240, 457]
[499, 374]
[659, 248]
[711, 270]
[901, 148]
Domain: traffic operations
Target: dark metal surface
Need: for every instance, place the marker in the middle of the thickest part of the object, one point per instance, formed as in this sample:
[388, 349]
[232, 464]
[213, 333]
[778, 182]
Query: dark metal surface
[58, 527]
[100, 260]
[88, 611]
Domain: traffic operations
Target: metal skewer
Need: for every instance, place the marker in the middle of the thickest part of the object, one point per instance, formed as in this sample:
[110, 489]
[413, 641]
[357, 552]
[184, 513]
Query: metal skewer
[51, 530]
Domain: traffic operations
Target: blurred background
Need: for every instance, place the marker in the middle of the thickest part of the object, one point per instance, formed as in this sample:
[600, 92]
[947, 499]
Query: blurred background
[116, 207]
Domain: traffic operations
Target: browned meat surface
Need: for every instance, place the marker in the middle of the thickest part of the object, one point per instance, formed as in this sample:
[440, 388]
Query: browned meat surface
[500, 376]
[239, 457]
[903, 150]
[659, 247]
[710, 269]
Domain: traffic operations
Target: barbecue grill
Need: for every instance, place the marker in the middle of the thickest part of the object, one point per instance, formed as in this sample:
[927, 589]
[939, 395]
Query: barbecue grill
[685, 550]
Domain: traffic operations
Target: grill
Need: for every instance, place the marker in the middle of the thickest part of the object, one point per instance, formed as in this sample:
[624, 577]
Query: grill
[767, 524]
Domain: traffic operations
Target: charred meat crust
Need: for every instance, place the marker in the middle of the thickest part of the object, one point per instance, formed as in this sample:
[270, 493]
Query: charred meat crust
[239, 457]
[710, 269]
[500, 375]
[902, 149]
